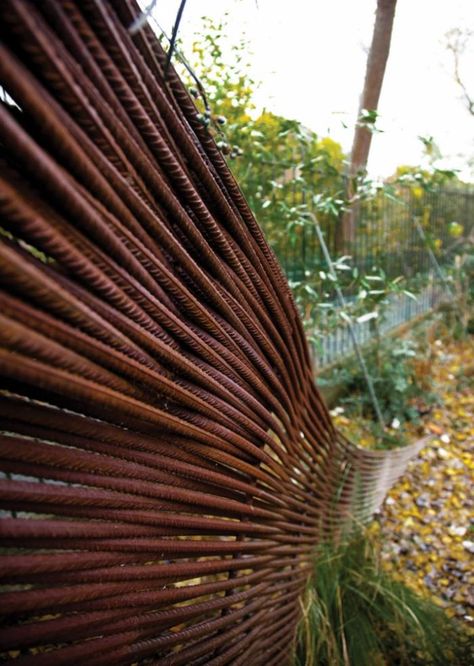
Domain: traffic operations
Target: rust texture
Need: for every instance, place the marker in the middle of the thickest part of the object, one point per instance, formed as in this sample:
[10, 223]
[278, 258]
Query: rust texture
[168, 465]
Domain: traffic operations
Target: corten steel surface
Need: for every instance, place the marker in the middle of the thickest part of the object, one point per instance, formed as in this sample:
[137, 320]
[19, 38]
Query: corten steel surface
[168, 464]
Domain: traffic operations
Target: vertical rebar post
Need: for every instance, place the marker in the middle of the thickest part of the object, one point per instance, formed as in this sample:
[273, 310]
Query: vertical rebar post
[342, 301]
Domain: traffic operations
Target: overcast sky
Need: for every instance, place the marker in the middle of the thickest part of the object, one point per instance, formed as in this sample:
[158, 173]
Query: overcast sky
[310, 56]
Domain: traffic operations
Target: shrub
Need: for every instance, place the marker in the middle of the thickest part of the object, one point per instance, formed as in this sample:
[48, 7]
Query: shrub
[401, 387]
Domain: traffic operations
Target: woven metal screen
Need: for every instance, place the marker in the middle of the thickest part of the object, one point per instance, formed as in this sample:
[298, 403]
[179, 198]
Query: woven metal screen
[167, 462]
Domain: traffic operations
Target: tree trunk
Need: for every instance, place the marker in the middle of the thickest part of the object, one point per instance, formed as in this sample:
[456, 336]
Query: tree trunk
[376, 63]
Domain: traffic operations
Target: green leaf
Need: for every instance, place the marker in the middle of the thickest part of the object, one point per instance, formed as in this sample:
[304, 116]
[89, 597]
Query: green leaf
[367, 317]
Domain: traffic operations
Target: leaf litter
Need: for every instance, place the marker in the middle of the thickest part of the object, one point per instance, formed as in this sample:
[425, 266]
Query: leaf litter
[426, 524]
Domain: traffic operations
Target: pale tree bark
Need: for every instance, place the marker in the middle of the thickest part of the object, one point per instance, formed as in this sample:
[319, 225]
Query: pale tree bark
[457, 41]
[375, 71]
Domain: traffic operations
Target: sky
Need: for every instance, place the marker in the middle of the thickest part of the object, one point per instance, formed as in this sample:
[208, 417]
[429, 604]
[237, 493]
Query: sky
[310, 57]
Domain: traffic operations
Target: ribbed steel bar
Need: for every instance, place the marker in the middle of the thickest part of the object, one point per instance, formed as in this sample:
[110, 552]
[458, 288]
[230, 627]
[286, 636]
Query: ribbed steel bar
[167, 464]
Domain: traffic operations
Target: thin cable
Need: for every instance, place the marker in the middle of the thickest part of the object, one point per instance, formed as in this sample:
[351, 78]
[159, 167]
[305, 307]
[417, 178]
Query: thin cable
[141, 20]
[174, 35]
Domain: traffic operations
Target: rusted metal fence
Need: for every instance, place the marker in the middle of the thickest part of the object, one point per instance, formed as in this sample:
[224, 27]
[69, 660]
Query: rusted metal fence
[168, 465]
